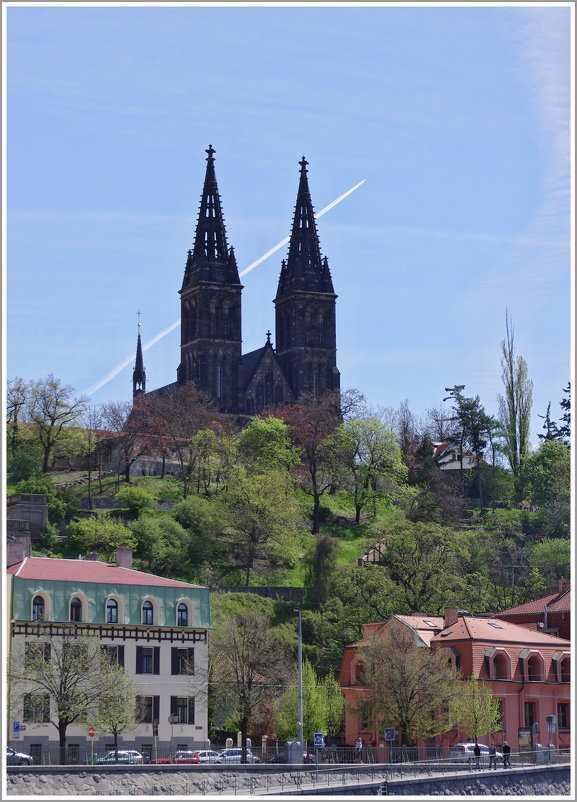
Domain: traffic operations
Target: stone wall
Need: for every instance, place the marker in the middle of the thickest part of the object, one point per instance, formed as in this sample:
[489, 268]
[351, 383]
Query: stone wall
[245, 780]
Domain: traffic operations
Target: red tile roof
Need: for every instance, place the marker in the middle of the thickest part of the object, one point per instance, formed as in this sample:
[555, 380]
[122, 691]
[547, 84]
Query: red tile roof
[88, 571]
[556, 602]
[468, 628]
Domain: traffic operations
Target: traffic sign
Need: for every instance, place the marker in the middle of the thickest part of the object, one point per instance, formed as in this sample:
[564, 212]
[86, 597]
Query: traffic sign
[389, 733]
[319, 739]
[16, 726]
[22, 727]
[91, 732]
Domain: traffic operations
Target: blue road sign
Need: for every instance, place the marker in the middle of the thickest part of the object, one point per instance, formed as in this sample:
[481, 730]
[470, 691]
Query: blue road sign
[389, 733]
[16, 726]
[319, 739]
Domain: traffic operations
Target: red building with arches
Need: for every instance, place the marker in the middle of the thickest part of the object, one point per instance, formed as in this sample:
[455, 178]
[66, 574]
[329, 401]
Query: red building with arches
[528, 670]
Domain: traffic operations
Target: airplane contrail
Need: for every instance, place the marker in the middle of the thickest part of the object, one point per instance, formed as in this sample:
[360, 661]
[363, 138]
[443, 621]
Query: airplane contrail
[125, 362]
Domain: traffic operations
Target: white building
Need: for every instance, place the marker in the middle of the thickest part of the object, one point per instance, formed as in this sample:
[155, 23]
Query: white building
[157, 628]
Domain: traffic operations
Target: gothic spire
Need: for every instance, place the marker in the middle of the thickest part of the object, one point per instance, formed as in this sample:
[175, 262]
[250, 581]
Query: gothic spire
[139, 374]
[304, 268]
[209, 259]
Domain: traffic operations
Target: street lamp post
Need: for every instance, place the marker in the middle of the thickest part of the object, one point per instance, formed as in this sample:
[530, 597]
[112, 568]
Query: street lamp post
[300, 664]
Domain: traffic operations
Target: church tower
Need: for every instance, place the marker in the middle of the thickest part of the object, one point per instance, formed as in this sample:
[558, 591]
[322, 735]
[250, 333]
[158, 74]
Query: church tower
[305, 306]
[138, 374]
[210, 300]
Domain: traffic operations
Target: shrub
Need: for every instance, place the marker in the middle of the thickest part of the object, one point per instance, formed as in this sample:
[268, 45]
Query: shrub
[135, 499]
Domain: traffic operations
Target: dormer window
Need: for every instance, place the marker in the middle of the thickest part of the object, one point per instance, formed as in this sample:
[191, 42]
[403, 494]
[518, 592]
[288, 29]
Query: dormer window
[76, 610]
[38, 608]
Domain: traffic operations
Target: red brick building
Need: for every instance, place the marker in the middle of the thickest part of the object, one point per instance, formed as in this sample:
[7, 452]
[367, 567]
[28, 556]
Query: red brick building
[529, 672]
[550, 614]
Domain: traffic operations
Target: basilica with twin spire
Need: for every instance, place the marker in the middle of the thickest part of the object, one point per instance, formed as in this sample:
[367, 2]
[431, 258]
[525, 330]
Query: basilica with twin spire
[302, 360]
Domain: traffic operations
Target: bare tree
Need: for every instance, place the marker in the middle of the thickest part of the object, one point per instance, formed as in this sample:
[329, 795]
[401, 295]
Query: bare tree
[17, 394]
[130, 441]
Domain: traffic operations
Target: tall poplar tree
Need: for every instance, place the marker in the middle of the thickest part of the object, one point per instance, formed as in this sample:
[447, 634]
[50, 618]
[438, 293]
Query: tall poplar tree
[515, 405]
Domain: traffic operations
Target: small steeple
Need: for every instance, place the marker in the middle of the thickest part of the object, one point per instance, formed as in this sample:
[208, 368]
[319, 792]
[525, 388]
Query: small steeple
[304, 270]
[139, 374]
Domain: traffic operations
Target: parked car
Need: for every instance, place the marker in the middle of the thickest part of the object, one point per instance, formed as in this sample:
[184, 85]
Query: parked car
[207, 755]
[465, 751]
[18, 758]
[120, 756]
[182, 756]
[233, 754]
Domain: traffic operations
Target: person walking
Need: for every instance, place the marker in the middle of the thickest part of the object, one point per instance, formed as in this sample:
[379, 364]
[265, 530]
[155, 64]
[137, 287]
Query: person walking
[359, 750]
[493, 756]
[477, 753]
[506, 755]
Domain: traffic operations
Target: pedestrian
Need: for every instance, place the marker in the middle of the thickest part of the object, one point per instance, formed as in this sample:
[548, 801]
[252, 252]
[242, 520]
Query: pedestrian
[506, 755]
[477, 753]
[493, 756]
[359, 750]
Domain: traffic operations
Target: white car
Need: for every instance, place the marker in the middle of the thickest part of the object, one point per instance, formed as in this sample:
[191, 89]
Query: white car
[121, 756]
[18, 758]
[207, 755]
[466, 751]
[233, 754]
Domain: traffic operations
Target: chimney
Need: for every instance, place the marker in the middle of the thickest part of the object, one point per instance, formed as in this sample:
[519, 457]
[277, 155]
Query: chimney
[124, 557]
[16, 551]
[451, 616]
[563, 585]
[92, 556]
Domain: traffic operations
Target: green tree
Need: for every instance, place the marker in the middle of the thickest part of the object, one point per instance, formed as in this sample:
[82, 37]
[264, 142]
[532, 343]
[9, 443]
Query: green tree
[410, 687]
[74, 673]
[135, 499]
[116, 710]
[475, 429]
[424, 561]
[100, 535]
[261, 520]
[552, 558]
[320, 564]
[515, 405]
[474, 708]
[162, 545]
[546, 473]
[323, 706]
[370, 461]
[264, 444]
[51, 407]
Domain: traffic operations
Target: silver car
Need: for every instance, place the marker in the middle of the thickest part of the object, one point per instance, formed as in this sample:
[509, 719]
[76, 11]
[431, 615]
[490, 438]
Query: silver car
[465, 751]
[18, 758]
[207, 755]
[233, 754]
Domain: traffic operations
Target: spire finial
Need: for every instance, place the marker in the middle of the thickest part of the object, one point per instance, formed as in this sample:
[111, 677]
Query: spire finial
[210, 150]
[303, 163]
[268, 333]
[138, 324]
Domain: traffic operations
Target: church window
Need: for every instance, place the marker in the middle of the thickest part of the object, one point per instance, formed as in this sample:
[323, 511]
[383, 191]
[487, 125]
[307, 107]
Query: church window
[315, 381]
[259, 396]
[278, 394]
[321, 328]
[307, 326]
[219, 380]
[212, 313]
[225, 320]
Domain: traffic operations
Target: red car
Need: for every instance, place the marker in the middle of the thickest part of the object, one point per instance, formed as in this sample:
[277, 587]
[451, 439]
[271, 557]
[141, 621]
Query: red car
[179, 757]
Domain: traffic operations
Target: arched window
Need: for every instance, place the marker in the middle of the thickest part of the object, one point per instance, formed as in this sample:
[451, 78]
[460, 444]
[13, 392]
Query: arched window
[321, 325]
[112, 611]
[182, 615]
[534, 666]
[212, 317]
[147, 613]
[75, 609]
[500, 666]
[37, 608]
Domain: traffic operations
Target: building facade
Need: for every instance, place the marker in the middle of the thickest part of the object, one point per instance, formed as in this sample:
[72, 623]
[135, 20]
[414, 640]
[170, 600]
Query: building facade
[156, 628]
[304, 360]
[528, 671]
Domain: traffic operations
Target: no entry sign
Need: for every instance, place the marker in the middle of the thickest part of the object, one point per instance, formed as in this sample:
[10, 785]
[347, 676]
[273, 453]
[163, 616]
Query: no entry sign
[91, 732]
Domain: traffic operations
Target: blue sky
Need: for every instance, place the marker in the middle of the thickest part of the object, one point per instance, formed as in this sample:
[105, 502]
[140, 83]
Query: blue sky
[457, 117]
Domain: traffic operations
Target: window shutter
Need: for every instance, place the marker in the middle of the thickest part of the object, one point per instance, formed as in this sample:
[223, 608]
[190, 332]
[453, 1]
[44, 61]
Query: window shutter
[191, 661]
[156, 660]
[191, 709]
[139, 659]
[174, 661]
[173, 706]
[121, 656]
[156, 708]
